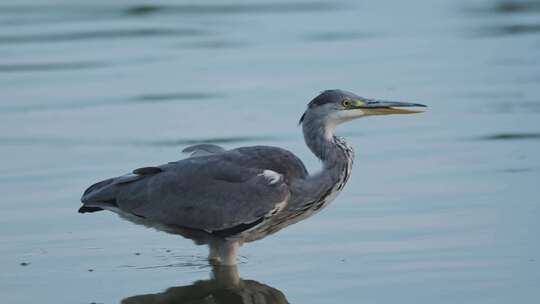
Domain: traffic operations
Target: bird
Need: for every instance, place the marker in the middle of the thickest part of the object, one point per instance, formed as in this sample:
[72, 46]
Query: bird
[225, 198]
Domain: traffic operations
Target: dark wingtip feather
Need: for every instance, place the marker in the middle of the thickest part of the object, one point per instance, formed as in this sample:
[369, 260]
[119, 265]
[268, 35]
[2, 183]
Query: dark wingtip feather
[302, 119]
[86, 209]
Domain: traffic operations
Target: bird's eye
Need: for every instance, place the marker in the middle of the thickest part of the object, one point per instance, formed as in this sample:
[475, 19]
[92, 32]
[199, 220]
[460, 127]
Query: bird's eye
[346, 103]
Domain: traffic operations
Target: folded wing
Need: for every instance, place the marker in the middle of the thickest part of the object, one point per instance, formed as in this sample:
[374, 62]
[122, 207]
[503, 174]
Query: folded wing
[209, 193]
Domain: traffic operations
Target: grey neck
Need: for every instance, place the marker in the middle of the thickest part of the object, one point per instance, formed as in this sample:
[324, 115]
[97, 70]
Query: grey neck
[336, 156]
[319, 137]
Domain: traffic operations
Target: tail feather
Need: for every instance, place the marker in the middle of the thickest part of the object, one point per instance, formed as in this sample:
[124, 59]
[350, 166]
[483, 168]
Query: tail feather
[98, 197]
[102, 195]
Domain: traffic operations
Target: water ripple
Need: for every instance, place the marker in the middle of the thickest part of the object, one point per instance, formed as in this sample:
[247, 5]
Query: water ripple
[145, 98]
[239, 8]
[507, 7]
[515, 107]
[511, 136]
[32, 15]
[50, 66]
[63, 142]
[507, 30]
[337, 36]
[214, 44]
[101, 34]
[149, 9]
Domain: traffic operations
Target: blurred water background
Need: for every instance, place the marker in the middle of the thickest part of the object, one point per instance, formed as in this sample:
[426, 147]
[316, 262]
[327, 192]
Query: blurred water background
[442, 207]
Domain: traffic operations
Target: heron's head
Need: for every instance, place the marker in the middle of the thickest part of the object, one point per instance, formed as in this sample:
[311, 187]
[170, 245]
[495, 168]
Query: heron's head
[333, 107]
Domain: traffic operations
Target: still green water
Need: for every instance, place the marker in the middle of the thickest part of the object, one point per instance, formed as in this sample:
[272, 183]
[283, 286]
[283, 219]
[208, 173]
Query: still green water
[442, 207]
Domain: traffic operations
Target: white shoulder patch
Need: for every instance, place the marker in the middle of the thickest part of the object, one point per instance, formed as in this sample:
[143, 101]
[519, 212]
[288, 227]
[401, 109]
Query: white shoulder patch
[271, 176]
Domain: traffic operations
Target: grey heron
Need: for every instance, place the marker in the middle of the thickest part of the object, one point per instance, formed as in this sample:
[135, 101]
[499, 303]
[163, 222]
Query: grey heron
[225, 198]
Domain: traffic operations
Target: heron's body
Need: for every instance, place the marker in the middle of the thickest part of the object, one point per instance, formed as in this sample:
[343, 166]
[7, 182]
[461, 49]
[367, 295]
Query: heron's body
[225, 198]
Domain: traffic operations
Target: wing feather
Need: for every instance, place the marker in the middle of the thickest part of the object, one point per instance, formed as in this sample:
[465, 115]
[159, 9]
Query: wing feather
[208, 193]
[203, 149]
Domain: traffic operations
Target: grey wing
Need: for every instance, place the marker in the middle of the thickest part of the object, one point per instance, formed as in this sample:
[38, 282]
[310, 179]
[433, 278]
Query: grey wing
[203, 193]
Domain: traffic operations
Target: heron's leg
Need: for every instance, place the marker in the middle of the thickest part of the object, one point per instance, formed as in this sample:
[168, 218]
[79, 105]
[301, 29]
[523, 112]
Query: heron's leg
[223, 252]
[213, 256]
[226, 276]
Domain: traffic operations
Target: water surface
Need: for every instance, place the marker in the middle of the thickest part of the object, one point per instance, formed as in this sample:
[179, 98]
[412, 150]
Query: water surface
[442, 207]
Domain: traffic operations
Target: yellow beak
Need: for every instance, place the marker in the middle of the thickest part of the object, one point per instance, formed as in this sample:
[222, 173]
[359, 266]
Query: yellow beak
[379, 107]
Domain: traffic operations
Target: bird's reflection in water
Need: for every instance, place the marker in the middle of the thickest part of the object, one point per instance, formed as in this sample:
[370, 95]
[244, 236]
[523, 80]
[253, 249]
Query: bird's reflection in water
[225, 287]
